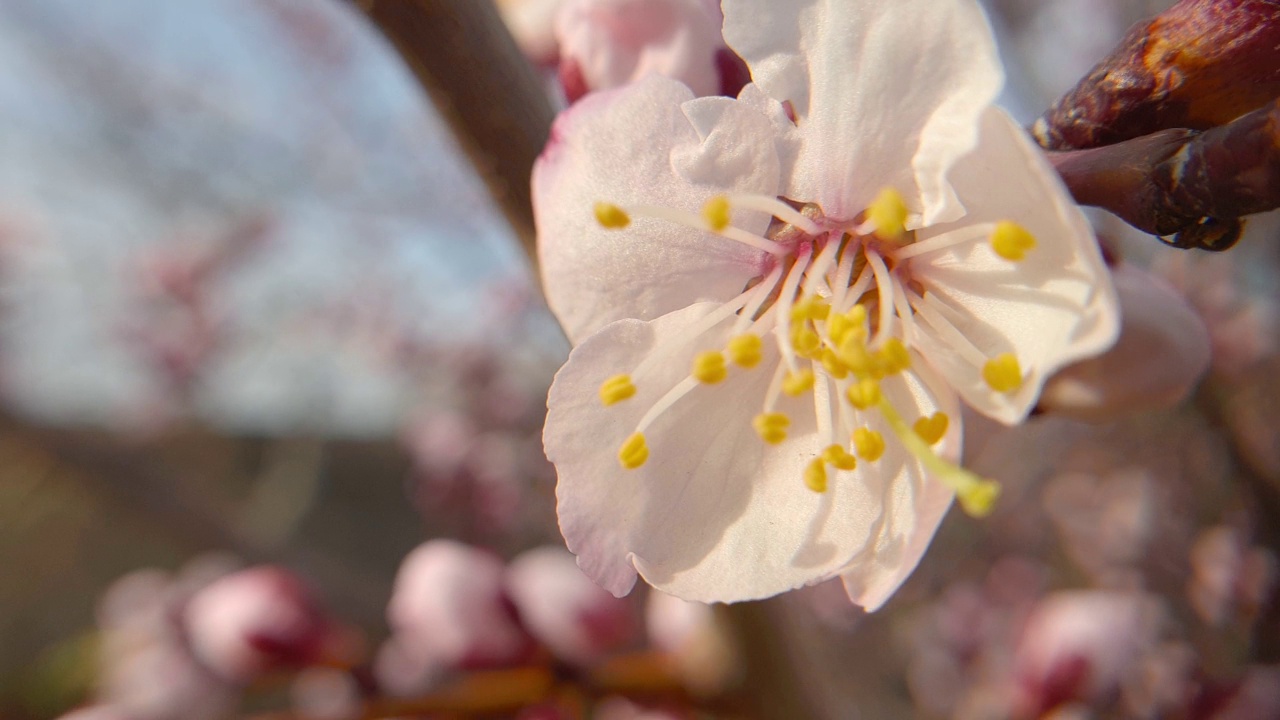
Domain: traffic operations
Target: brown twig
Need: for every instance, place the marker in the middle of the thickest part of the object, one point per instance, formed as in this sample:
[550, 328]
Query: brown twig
[1194, 185]
[1197, 65]
[494, 101]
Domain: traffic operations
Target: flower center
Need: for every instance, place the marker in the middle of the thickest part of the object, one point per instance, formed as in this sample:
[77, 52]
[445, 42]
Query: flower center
[839, 305]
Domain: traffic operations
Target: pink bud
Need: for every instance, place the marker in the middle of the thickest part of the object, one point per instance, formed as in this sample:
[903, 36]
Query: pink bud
[609, 43]
[577, 619]
[1081, 644]
[1163, 350]
[253, 621]
[449, 607]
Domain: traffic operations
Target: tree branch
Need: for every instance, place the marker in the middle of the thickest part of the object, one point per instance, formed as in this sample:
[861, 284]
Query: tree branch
[1197, 65]
[463, 55]
[1194, 185]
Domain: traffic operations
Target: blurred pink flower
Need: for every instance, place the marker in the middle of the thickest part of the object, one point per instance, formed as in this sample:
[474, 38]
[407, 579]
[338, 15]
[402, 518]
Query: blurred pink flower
[575, 618]
[1081, 645]
[699, 646]
[1162, 353]
[609, 43]
[1227, 576]
[253, 621]
[449, 610]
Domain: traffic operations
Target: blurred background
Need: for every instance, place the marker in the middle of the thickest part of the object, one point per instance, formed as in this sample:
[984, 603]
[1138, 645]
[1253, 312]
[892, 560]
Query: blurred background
[256, 301]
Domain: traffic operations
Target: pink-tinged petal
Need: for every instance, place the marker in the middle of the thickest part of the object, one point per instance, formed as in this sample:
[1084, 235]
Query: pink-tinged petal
[716, 515]
[1162, 353]
[885, 93]
[914, 504]
[1054, 307]
[615, 42]
[647, 144]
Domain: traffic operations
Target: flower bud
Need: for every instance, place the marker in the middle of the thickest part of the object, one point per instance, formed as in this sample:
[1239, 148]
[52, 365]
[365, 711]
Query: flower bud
[1162, 352]
[449, 607]
[254, 621]
[577, 619]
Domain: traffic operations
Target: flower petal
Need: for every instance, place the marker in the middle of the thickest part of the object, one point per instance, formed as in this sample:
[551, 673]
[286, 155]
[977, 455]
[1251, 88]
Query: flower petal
[1052, 308]
[715, 514]
[915, 503]
[885, 93]
[647, 144]
[1163, 351]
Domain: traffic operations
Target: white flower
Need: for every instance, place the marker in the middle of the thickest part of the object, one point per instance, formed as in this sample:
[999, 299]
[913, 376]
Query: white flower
[744, 355]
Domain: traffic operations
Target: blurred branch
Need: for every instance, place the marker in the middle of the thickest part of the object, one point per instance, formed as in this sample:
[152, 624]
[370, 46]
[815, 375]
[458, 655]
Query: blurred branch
[1197, 65]
[496, 104]
[1197, 185]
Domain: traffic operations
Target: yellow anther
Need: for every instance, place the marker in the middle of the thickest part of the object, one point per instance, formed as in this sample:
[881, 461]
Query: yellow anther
[893, 356]
[864, 393]
[746, 350]
[932, 428]
[853, 353]
[709, 367]
[616, 389]
[797, 383]
[868, 443]
[979, 498]
[815, 476]
[813, 308]
[839, 458]
[888, 213]
[716, 212]
[1003, 373]
[1011, 241]
[772, 427]
[857, 314]
[805, 342]
[611, 216]
[633, 452]
[832, 364]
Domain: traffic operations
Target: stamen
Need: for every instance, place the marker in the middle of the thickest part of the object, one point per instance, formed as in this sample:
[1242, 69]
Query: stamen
[888, 214]
[884, 285]
[716, 213]
[776, 208]
[977, 495]
[634, 452]
[746, 350]
[893, 357]
[682, 388]
[616, 389]
[805, 342]
[868, 443]
[815, 475]
[698, 222]
[932, 428]
[864, 393]
[1011, 241]
[833, 365]
[817, 271]
[944, 241]
[925, 307]
[611, 216]
[839, 458]
[758, 295]
[709, 367]
[1003, 373]
[798, 382]
[782, 328]
[771, 426]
